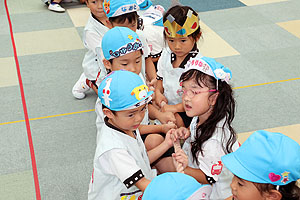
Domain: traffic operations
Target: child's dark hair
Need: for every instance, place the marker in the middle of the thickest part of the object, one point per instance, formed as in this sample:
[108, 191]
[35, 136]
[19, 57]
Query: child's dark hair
[103, 106]
[223, 108]
[132, 17]
[179, 13]
[289, 192]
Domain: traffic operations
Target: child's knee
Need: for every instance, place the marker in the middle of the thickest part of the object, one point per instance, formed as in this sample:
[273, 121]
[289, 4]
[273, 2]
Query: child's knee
[153, 140]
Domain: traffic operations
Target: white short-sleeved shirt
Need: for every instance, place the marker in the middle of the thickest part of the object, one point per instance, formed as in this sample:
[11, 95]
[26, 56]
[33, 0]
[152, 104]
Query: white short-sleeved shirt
[170, 75]
[154, 33]
[146, 51]
[210, 162]
[120, 161]
[92, 37]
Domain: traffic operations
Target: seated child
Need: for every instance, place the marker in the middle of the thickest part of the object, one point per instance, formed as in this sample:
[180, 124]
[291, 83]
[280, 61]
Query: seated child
[122, 49]
[94, 30]
[124, 13]
[176, 186]
[152, 25]
[121, 163]
[265, 167]
[208, 98]
[182, 31]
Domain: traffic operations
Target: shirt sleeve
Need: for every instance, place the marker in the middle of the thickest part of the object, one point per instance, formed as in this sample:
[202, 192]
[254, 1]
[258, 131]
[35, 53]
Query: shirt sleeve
[118, 162]
[210, 162]
[160, 64]
[146, 49]
[92, 41]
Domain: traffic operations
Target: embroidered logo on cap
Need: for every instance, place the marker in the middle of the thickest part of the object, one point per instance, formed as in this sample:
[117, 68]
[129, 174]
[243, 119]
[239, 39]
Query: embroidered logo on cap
[106, 92]
[285, 176]
[140, 92]
[107, 6]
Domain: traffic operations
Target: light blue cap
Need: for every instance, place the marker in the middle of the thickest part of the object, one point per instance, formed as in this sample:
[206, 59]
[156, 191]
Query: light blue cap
[266, 157]
[176, 186]
[210, 67]
[120, 41]
[144, 4]
[114, 8]
[123, 90]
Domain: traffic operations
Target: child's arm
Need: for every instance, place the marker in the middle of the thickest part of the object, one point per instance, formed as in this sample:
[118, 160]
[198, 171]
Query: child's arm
[159, 90]
[198, 174]
[163, 117]
[158, 151]
[162, 128]
[150, 71]
[173, 108]
[142, 184]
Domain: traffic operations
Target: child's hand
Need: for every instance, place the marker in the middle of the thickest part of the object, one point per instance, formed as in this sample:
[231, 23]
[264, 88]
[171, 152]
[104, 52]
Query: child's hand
[166, 117]
[152, 84]
[159, 97]
[180, 158]
[168, 126]
[169, 138]
[181, 133]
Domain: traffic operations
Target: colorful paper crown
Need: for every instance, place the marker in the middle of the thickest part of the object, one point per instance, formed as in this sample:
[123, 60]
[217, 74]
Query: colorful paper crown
[191, 24]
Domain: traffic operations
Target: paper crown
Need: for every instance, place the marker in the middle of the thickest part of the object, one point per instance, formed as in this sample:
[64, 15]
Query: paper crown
[191, 24]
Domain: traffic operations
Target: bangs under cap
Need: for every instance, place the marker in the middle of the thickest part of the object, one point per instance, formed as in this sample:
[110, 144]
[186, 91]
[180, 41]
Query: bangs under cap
[114, 8]
[210, 67]
[266, 157]
[120, 41]
[123, 90]
[176, 186]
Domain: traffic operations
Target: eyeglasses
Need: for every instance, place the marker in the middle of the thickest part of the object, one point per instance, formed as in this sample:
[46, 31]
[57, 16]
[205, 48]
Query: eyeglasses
[190, 93]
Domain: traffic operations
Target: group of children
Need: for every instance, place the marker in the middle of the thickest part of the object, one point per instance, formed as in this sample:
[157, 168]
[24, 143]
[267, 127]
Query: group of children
[156, 92]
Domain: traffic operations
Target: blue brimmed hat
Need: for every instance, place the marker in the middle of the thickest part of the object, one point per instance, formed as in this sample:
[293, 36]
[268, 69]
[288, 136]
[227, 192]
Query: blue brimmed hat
[176, 186]
[266, 157]
[210, 67]
[144, 4]
[120, 41]
[114, 8]
[123, 90]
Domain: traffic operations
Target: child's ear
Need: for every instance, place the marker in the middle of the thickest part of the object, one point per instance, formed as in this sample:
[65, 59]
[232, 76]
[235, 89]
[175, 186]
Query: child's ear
[108, 113]
[107, 64]
[273, 195]
[213, 99]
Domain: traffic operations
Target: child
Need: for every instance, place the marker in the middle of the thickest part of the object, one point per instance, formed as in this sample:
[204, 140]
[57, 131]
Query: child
[182, 31]
[94, 30]
[208, 98]
[153, 28]
[122, 49]
[124, 13]
[176, 186]
[121, 165]
[266, 166]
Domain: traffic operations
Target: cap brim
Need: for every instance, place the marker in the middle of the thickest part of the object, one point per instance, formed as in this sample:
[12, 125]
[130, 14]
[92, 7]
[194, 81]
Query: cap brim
[237, 168]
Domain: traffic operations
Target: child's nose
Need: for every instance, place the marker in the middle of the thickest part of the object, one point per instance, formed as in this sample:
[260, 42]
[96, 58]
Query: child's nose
[177, 45]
